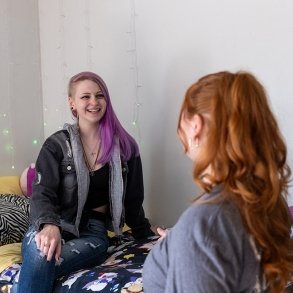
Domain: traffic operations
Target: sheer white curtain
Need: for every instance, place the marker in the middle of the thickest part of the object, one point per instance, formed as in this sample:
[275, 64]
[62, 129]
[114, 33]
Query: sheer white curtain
[21, 114]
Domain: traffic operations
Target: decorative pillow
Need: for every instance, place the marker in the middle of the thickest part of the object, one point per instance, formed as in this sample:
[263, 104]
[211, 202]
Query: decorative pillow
[9, 254]
[27, 178]
[10, 185]
[14, 218]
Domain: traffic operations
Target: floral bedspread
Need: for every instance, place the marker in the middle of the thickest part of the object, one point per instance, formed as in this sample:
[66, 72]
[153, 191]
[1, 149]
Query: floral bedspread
[121, 272]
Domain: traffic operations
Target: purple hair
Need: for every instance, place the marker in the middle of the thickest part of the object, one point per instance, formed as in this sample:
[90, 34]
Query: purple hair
[110, 126]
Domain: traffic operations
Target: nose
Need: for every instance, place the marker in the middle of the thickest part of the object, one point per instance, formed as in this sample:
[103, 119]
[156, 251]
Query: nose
[93, 100]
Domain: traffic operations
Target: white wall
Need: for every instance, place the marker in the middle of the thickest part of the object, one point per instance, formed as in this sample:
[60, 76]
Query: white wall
[175, 42]
[178, 41]
[85, 35]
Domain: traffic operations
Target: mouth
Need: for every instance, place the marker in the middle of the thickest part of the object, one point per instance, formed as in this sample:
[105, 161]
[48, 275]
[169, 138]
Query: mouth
[95, 110]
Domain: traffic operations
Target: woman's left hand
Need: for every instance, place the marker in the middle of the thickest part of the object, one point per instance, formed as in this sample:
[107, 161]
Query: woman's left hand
[162, 232]
[48, 240]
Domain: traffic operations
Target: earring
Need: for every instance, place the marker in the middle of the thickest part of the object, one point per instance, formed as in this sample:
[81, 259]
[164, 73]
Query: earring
[190, 144]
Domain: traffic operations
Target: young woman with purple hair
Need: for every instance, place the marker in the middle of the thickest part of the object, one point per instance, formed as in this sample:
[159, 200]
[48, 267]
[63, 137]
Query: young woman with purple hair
[89, 179]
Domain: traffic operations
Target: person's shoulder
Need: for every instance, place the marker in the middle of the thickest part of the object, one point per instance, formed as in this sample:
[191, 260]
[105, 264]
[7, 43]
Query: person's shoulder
[57, 138]
[213, 205]
[134, 159]
[202, 213]
[63, 133]
[211, 211]
[211, 219]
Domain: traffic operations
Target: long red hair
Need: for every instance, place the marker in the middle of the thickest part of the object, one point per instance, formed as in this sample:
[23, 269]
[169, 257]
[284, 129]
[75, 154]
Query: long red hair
[248, 156]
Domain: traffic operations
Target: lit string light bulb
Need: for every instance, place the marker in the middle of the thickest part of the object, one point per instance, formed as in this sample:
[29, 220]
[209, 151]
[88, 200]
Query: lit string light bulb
[5, 132]
[9, 148]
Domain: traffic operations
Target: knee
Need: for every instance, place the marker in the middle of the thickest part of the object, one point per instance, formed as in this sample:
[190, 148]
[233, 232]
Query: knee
[33, 258]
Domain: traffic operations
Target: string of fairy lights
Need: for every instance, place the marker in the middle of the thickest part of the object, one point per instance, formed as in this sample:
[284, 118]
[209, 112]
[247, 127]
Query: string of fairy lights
[59, 109]
[64, 67]
[137, 104]
[62, 108]
[88, 35]
[58, 112]
[7, 123]
[7, 132]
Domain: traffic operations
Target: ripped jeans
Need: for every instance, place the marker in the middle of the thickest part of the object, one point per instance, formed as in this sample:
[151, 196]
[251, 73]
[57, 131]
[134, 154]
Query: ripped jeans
[38, 275]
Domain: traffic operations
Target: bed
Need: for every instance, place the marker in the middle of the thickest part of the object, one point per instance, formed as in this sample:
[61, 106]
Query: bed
[121, 272]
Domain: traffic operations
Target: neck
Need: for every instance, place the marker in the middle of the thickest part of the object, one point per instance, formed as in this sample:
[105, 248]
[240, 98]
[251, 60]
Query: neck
[88, 130]
[90, 139]
[91, 146]
[89, 133]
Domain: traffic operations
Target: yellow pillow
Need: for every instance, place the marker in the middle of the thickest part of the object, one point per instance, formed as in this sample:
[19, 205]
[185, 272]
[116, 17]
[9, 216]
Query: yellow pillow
[9, 254]
[10, 185]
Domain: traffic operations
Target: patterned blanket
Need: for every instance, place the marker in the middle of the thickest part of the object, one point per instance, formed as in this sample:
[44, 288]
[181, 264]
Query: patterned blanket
[121, 272]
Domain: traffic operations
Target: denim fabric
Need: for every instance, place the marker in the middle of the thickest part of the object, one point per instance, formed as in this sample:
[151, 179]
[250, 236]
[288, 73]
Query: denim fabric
[37, 275]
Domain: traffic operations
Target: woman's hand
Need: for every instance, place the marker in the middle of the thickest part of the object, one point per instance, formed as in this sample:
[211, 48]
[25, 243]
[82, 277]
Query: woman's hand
[48, 241]
[162, 232]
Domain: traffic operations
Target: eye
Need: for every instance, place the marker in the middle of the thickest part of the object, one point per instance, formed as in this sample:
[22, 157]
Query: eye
[99, 96]
[85, 97]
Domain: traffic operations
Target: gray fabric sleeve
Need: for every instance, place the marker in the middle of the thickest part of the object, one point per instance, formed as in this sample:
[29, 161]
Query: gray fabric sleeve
[203, 252]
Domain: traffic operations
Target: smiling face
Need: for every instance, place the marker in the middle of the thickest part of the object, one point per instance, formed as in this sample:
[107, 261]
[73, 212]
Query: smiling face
[88, 101]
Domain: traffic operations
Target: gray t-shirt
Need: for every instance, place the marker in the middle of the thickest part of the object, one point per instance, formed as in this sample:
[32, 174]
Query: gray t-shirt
[207, 251]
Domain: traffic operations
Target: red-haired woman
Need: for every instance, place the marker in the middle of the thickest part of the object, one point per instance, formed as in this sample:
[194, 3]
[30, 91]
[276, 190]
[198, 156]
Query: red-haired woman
[236, 236]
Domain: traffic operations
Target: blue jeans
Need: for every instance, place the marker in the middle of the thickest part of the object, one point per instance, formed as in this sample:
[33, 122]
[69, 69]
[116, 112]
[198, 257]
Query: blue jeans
[37, 275]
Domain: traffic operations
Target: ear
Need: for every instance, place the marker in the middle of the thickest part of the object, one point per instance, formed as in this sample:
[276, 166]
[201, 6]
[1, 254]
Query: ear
[71, 103]
[197, 122]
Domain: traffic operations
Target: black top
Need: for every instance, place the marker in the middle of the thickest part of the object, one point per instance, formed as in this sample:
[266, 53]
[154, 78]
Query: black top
[98, 194]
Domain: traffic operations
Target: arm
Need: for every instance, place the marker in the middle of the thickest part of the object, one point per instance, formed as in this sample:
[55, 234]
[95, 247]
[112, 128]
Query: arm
[203, 252]
[178, 263]
[134, 196]
[44, 208]
[44, 203]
